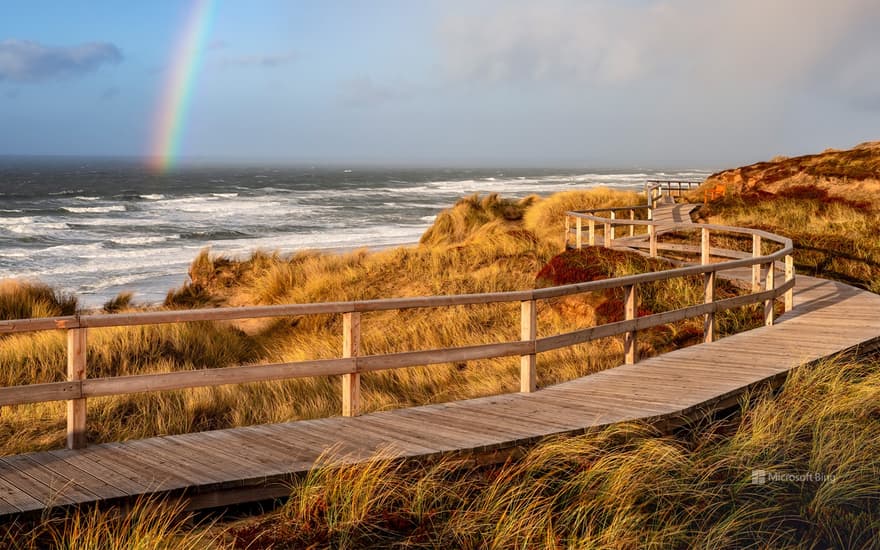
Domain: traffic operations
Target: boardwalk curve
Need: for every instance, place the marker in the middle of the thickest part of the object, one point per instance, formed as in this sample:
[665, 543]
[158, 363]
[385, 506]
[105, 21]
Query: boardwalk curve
[824, 318]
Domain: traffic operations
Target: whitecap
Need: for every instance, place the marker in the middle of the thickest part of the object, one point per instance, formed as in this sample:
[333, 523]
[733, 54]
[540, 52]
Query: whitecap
[93, 209]
[152, 197]
[144, 240]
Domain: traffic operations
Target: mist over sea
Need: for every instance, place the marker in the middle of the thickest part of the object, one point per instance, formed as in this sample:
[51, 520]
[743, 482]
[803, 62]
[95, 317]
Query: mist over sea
[96, 228]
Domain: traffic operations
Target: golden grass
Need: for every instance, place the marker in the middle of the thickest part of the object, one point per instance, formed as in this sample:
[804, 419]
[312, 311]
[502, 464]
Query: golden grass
[146, 525]
[25, 299]
[834, 239]
[623, 487]
[486, 246]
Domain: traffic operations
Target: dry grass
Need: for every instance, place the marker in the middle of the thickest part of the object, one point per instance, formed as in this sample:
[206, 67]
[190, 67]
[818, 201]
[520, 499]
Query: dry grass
[833, 238]
[623, 487]
[479, 245]
[25, 300]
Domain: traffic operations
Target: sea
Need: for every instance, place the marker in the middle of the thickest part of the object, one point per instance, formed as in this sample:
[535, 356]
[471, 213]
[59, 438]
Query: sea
[98, 227]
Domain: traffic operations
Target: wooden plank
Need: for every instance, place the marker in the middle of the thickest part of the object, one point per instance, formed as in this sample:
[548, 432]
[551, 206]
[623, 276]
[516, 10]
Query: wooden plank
[27, 489]
[38, 393]
[61, 469]
[149, 455]
[92, 462]
[61, 489]
[19, 500]
[97, 387]
[448, 355]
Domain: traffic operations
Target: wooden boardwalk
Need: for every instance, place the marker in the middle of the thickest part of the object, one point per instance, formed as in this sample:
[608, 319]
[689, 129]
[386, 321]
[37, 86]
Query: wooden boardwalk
[253, 463]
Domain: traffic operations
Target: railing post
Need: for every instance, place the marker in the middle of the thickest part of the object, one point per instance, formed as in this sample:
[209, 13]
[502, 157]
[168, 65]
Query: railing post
[704, 246]
[76, 370]
[591, 236]
[578, 238]
[613, 227]
[652, 241]
[768, 304]
[789, 275]
[630, 345]
[709, 297]
[528, 333]
[632, 226]
[756, 269]
[607, 235]
[351, 383]
[567, 233]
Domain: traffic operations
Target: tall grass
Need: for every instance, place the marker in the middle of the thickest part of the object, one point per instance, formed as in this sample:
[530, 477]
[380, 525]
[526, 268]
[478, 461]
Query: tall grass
[625, 486]
[833, 238]
[146, 525]
[25, 300]
[485, 245]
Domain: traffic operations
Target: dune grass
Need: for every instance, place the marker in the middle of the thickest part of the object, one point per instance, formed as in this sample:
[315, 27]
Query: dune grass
[622, 487]
[481, 244]
[625, 486]
[834, 238]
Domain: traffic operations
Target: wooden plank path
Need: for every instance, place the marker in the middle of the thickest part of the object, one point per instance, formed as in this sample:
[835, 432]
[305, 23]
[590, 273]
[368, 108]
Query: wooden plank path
[670, 214]
[251, 463]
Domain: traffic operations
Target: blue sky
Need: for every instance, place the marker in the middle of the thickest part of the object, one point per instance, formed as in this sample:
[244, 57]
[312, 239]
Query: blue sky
[572, 83]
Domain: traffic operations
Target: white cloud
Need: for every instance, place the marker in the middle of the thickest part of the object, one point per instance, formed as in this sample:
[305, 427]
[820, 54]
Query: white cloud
[27, 61]
[720, 43]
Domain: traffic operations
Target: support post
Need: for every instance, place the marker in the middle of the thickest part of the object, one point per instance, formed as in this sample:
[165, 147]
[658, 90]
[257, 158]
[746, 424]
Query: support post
[789, 275]
[613, 227]
[351, 383]
[768, 304]
[709, 331]
[756, 269]
[578, 238]
[632, 226]
[592, 233]
[704, 246]
[607, 235]
[567, 233]
[652, 240]
[630, 345]
[528, 332]
[76, 370]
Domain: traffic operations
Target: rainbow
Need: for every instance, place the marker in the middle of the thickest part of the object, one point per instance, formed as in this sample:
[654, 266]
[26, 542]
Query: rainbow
[177, 90]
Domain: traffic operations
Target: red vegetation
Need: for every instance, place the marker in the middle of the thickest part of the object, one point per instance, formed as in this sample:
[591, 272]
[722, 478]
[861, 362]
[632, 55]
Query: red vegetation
[592, 263]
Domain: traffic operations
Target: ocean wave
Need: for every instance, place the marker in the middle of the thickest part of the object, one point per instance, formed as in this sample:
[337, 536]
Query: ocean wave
[94, 209]
[225, 195]
[81, 198]
[144, 240]
[152, 197]
[66, 192]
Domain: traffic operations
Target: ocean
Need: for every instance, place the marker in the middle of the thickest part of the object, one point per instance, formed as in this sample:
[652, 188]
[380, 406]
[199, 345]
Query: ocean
[99, 227]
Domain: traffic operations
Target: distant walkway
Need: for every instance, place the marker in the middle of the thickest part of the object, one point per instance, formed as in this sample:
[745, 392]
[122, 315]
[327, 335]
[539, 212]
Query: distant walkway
[247, 464]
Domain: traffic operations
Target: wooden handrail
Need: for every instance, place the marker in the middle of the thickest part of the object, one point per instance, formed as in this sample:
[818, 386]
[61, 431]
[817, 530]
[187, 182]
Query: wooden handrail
[78, 388]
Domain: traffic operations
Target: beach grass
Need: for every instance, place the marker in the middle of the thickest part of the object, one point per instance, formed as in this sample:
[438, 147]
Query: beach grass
[481, 244]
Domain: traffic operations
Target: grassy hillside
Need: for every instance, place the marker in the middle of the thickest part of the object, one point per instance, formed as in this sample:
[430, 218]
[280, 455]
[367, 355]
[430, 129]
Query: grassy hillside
[481, 244]
[624, 487]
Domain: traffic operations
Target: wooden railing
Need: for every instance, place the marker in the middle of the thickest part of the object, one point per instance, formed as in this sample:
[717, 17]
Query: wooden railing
[655, 189]
[78, 387]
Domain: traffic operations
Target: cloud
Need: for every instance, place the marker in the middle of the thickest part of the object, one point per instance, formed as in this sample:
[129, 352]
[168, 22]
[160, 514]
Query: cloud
[259, 60]
[718, 44]
[27, 61]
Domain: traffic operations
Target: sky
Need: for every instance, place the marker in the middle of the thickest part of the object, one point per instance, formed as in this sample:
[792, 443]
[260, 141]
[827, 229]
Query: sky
[550, 83]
